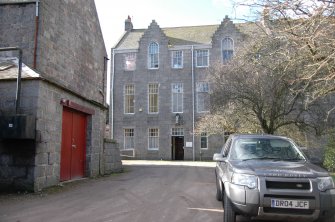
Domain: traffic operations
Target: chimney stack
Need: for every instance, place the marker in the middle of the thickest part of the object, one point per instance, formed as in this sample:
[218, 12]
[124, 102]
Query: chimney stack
[128, 25]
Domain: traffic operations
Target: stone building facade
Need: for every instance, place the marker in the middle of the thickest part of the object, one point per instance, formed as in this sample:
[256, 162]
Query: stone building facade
[62, 44]
[160, 88]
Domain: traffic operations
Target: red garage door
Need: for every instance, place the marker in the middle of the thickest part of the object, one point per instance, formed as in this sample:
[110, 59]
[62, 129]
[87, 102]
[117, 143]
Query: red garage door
[73, 153]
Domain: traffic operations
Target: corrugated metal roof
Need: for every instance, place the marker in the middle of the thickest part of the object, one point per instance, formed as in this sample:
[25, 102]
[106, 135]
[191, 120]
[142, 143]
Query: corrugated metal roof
[9, 69]
[188, 35]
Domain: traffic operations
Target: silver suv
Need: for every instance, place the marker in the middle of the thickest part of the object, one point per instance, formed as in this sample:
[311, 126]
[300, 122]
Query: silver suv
[268, 177]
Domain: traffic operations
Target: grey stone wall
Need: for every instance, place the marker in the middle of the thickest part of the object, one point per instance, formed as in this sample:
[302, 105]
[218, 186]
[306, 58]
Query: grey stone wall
[49, 127]
[17, 28]
[40, 159]
[70, 46]
[112, 159]
[71, 49]
[17, 157]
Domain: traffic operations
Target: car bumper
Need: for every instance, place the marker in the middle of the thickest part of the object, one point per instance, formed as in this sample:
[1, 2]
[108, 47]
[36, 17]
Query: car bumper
[253, 203]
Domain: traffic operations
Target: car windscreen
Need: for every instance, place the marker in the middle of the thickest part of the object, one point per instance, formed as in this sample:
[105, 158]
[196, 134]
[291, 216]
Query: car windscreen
[265, 148]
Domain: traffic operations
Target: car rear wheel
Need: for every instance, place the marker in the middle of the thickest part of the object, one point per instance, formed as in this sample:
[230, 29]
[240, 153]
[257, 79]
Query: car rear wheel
[229, 214]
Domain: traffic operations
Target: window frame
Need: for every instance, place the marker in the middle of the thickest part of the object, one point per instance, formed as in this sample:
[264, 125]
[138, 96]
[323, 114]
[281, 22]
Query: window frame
[198, 91]
[197, 57]
[150, 93]
[204, 135]
[178, 99]
[155, 137]
[131, 136]
[126, 101]
[174, 56]
[177, 131]
[228, 48]
[153, 56]
[131, 57]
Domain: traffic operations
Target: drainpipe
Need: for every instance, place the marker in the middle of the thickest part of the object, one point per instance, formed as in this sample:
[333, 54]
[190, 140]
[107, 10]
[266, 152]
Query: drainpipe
[36, 33]
[106, 59]
[112, 95]
[193, 102]
[18, 82]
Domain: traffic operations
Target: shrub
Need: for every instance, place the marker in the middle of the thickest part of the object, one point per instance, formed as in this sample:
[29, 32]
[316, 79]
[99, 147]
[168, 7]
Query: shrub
[329, 161]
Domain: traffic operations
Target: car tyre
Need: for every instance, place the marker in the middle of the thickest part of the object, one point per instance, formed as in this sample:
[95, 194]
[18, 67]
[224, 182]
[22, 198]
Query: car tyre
[229, 214]
[218, 189]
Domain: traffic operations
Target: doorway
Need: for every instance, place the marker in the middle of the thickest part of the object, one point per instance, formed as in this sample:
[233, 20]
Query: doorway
[73, 149]
[177, 148]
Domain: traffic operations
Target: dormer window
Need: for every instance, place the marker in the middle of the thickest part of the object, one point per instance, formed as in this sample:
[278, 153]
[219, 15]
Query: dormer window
[153, 55]
[227, 49]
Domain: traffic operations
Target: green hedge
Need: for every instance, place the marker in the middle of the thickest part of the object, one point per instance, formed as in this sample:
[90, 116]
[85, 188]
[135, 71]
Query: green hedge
[329, 161]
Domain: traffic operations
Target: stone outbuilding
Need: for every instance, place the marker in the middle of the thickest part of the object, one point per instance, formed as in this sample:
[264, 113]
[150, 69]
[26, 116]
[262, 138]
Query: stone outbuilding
[53, 126]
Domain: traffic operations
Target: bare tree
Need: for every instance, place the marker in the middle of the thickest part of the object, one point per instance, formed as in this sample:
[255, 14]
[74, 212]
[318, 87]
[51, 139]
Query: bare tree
[308, 25]
[282, 74]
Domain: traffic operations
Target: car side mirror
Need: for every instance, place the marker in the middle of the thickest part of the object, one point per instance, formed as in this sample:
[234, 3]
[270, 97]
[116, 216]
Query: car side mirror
[219, 157]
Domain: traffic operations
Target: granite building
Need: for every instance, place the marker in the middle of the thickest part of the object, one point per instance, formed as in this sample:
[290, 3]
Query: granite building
[56, 131]
[160, 88]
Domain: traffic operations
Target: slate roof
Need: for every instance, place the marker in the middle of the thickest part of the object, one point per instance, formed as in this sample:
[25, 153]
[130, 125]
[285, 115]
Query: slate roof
[187, 35]
[9, 69]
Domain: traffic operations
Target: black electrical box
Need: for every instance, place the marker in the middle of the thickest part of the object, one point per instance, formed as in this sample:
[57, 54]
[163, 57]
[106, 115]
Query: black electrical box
[17, 127]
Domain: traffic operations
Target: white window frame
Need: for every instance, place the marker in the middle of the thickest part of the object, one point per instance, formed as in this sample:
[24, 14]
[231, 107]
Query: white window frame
[152, 92]
[177, 91]
[126, 100]
[153, 55]
[204, 135]
[130, 135]
[177, 55]
[153, 139]
[197, 57]
[130, 61]
[227, 46]
[177, 131]
[201, 89]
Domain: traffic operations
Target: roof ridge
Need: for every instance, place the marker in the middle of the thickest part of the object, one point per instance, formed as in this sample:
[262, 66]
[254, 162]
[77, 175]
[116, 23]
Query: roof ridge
[191, 26]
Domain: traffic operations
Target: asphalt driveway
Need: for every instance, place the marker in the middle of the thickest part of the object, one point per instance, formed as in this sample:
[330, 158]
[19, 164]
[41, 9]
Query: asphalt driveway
[154, 191]
[148, 191]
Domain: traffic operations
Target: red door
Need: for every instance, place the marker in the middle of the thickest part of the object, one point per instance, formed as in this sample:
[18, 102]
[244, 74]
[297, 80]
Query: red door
[72, 163]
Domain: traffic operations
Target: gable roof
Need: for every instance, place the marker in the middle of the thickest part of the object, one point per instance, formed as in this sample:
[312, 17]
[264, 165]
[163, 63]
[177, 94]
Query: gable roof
[186, 35]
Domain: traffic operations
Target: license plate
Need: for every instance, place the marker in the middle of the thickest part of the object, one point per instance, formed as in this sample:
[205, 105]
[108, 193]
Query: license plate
[293, 204]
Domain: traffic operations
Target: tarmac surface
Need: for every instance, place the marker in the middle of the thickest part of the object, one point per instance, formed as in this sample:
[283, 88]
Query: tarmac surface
[147, 191]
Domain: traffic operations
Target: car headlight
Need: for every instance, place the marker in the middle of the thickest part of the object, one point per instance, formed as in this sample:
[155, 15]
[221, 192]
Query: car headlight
[325, 183]
[245, 180]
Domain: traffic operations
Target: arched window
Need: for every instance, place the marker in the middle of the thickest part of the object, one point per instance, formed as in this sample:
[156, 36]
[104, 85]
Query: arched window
[227, 49]
[153, 55]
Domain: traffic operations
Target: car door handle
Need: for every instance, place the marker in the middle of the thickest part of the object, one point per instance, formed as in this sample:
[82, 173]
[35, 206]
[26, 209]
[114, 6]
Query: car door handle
[74, 146]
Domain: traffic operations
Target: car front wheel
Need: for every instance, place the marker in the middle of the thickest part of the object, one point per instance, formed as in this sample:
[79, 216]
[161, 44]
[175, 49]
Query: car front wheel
[229, 214]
